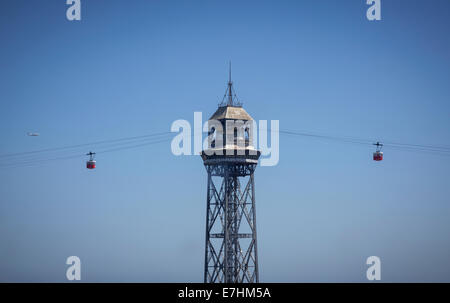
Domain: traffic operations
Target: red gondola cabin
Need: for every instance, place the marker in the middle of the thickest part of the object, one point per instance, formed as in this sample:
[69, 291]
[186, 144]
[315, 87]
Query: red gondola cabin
[90, 164]
[378, 156]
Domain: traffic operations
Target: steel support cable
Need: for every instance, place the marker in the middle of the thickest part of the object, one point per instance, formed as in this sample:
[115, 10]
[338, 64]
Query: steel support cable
[30, 162]
[83, 144]
[440, 150]
[81, 155]
[134, 146]
[431, 147]
[62, 152]
[343, 139]
[396, 145]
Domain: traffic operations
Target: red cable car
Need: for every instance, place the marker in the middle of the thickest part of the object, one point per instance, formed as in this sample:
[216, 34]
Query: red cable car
[378, 154]
[90, 164]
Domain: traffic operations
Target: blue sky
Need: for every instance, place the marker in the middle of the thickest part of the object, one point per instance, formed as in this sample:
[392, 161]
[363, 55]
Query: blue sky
[130, 68]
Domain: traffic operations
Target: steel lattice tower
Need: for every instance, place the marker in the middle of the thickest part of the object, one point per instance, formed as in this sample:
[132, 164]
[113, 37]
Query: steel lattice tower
[231, 243]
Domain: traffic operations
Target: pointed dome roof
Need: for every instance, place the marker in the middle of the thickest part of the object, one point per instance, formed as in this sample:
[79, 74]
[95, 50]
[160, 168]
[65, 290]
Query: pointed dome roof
[231, 112]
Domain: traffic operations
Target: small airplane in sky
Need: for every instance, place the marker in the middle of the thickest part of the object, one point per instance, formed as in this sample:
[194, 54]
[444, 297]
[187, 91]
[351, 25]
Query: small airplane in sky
[33, 134]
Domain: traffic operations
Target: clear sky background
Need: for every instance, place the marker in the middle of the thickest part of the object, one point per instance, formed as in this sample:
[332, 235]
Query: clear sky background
[131, 68]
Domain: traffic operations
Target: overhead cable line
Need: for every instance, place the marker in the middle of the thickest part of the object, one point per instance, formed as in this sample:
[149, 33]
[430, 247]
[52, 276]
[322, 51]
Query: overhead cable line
[81, 145]
[36, 157]
[80, 155]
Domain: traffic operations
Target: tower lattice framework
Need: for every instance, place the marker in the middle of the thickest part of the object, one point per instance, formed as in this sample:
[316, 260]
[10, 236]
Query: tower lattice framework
[231, 242]
[231, 254]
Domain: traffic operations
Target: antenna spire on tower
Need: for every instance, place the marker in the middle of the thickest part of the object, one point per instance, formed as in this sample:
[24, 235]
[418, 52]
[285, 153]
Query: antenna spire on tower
[229, 98]
[230, 89]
